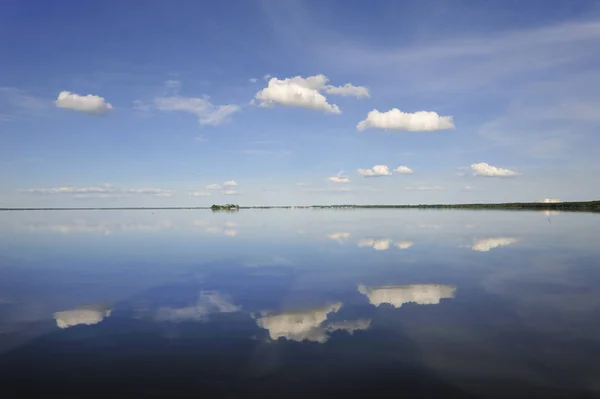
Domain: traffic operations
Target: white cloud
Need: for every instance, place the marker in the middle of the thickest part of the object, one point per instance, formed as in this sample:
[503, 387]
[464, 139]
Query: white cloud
[209, 302]
[423, 188]
[300, 325]
[253, 80]
[483, 169]
[348, 90]
[106, 191]
[89, 104]
[87, 315]
[484, 245]
[378, 244]
[230, 183]
[302, 184]
[231, 192]
[403, 170]
[394, 119]
[213, 187]
[339, 178]
[199, 194]
[297, 92]
[422, 294]
[207, 113]
[375, 171]
[307, 93]
[467, 188]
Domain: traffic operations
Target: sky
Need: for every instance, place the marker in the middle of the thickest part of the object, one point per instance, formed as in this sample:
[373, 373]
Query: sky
[298, 102]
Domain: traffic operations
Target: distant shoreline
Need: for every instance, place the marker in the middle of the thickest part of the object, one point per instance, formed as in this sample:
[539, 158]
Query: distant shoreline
[560, 206]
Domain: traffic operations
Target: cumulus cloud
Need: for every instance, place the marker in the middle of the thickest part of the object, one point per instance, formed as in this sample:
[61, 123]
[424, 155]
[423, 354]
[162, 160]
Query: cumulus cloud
[403, 170]
[89, 104]
[339, 178]
[423, 188]
[378, 244]
[230, 183]
[213, 187]
[422, 294]
[307, 93]
[209, 302]
[394, 119]
[308, 325]
[105, 191]
[375, 171]
[484, 169]
[207, 113]
[484, 245]
[87, 315]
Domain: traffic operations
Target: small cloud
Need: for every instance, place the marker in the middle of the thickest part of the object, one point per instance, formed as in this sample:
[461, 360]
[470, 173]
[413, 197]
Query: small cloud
[213, 187]
[307, 93]
[484, 245]
[339, 178]
[201, 139]
[297, 92]
[423, 188]
[199, 194]
[207, 113]
[394, 119]
[348, 90]
[230, 183]
[403, 170]
[467, 188]
[302, 184]
[375, 171]
[89, 104]
[141, 106]
[231, 192]
[253, 80]
[484, 169]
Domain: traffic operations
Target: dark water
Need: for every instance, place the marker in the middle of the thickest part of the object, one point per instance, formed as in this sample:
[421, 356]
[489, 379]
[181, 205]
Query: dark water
[300, 303]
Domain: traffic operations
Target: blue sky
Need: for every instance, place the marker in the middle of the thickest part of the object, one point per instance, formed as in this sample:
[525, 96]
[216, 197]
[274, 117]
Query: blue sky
[298, 102]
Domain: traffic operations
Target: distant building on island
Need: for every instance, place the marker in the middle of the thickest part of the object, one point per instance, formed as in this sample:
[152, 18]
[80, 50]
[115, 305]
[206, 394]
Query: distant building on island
[549, 201]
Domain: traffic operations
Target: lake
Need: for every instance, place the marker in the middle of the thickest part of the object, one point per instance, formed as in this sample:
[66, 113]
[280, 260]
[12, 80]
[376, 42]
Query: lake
[300, 303]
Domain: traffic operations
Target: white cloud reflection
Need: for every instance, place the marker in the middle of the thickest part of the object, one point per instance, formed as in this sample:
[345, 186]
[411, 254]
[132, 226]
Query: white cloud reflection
[209, 302]
[308, 325]
[486, 244]
[422, 294]
[383, 244]
[87, 315]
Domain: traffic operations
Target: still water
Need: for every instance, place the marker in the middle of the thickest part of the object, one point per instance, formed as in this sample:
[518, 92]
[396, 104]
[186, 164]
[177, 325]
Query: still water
[300, 303]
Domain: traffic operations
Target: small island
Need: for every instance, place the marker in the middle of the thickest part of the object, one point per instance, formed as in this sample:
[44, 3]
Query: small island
[226, 207]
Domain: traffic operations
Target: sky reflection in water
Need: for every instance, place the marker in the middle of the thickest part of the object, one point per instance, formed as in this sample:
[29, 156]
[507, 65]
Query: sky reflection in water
[477, 302]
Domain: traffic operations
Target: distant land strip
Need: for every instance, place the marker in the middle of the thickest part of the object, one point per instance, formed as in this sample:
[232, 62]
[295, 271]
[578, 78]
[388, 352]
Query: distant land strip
[559, 206]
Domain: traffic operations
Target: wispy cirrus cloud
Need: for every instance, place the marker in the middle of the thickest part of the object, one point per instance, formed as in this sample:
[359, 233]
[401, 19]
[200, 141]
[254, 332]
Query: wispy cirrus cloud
[105, 191]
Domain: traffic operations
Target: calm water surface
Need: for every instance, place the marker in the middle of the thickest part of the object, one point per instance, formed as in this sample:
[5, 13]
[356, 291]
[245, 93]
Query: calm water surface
[300, 303]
